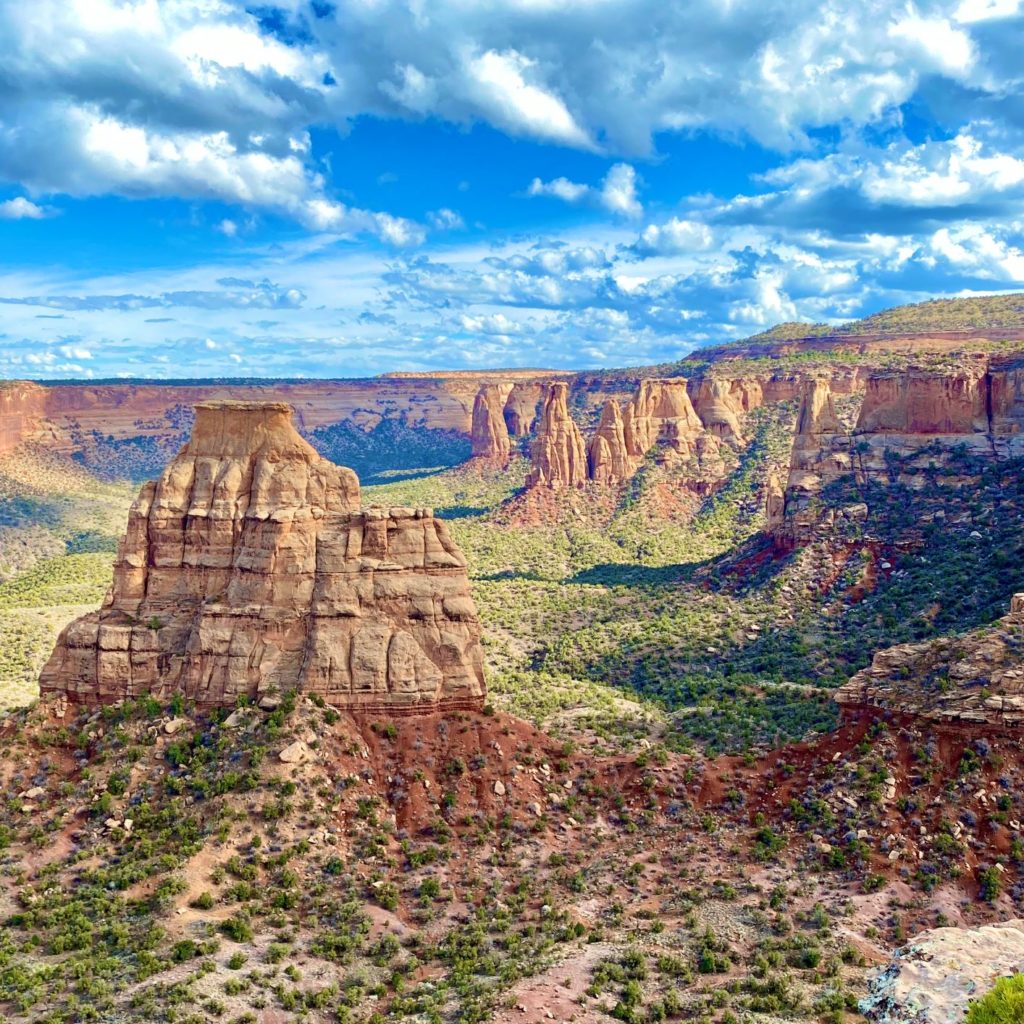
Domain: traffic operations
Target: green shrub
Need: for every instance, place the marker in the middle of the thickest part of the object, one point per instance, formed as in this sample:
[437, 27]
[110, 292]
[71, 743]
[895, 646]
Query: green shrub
[1003, 1005]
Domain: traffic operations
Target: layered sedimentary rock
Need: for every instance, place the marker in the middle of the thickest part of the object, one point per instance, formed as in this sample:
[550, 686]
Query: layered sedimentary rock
[248, 567]
[914, 427]
[925, 402]
[821, 453]
[719, 406]
[490, 438]
[521, 407]
[975, 677]
[1006, 398]
[661, 413]
[609, 461]
[558, 456]
[22, 408]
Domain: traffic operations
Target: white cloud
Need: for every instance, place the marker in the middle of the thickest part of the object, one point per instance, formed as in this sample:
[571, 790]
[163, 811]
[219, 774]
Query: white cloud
[228, 227]
[676, 235]
[21, 208]
[617, 193]
[559, 188]
[520, 106]
[445, 220]
[937, 40]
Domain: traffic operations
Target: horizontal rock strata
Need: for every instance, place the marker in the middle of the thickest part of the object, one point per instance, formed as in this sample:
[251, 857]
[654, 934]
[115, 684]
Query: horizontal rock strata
[248, 567]
[975, 677]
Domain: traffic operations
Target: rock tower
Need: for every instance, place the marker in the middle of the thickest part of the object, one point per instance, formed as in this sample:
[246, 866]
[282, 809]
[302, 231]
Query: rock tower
[249, 568]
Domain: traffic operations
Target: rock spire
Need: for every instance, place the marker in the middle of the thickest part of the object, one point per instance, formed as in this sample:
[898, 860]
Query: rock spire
[558, 454]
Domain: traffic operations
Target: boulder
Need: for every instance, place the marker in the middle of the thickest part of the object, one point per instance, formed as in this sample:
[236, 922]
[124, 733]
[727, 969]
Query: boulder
[933, 979]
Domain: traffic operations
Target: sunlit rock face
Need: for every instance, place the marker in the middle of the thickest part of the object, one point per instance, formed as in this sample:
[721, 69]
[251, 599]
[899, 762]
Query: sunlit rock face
[558, 455]
[609, 461]
[914, 427]
[249, 568]
[489, 436]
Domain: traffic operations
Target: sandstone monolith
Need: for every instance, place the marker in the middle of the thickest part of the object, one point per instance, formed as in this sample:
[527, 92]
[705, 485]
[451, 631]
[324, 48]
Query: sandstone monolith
[248, 569]
[558, 455]
[489, 436]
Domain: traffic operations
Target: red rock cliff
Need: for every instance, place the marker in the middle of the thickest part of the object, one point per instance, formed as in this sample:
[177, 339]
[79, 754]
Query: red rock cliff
[248, 567]
[558, 456]
[22, 408]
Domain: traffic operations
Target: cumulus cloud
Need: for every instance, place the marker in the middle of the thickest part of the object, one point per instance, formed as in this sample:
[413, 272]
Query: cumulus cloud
[445, 220]
[21, 208]
[617, 193]
[234, 293]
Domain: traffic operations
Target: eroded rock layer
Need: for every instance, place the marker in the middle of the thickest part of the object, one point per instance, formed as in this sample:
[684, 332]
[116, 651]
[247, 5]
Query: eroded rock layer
[248, 568]
[490, 438]
[915, 426]
[975, 677]
[558, 455]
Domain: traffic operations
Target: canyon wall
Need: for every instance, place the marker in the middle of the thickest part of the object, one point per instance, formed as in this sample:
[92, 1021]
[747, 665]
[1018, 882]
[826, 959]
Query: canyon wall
[22, 409]
[248, 568]
[914, 425]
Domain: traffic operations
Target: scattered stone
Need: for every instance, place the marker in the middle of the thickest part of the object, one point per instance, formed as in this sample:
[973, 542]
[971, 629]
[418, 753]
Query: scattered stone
[295, 753]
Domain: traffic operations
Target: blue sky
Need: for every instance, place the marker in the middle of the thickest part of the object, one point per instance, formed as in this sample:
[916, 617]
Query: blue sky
[207, 188]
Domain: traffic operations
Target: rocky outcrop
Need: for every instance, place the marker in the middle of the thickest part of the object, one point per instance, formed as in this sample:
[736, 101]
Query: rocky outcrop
[914, 427]
[719, 406]
[558, 456]
[775, 503]
[609, 461]
[934, 978]
[661, 413]
[1006, 399]
[248, 568]
[521, 408]
[925, 402]
[22, 408]
[975, 677]
[489, 435]
[821, 453]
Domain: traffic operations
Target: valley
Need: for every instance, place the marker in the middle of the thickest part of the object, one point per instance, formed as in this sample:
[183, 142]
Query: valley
[754, 673]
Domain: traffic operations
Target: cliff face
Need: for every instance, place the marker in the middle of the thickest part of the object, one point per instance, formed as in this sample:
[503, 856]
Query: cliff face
[558, 456]
[521, 407]
[661, 413]
[490, 437]
[719, 405]
[925, 402]
[976, 677]
[821, 453]
[608, 459]
[22, 408]
[249, 568]
[911, 427]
